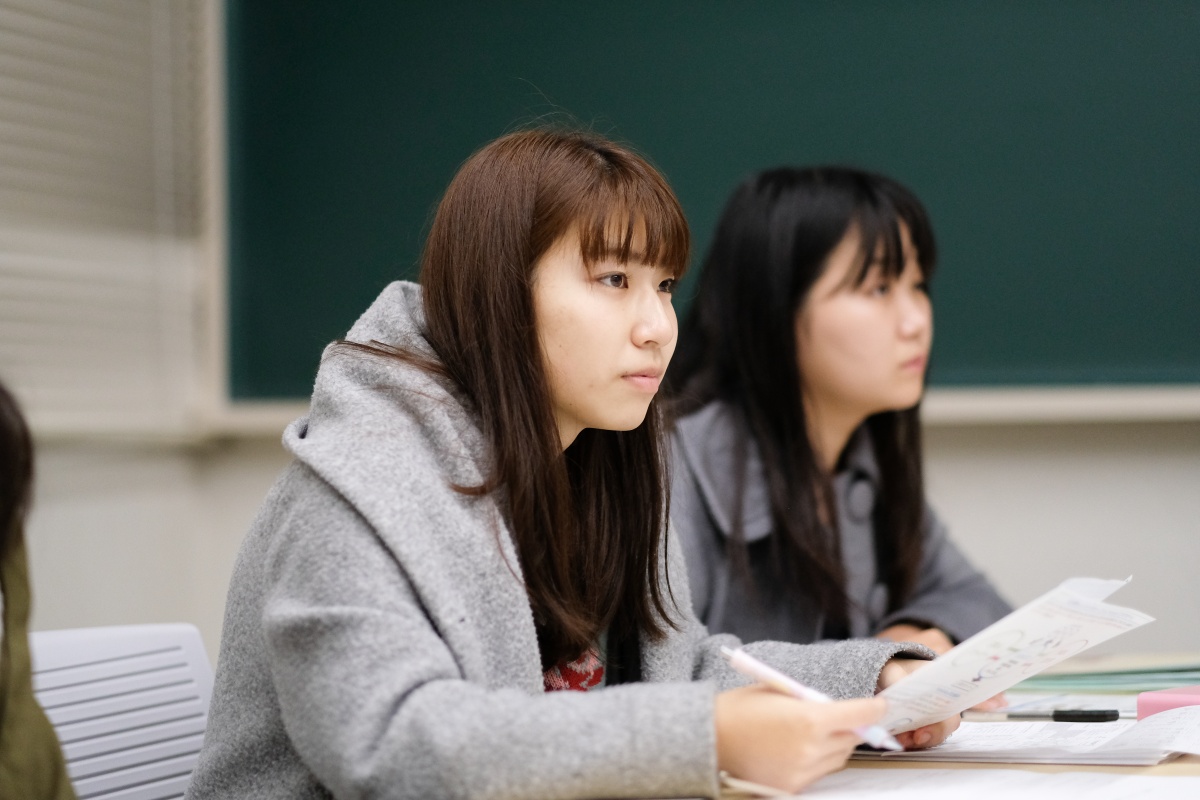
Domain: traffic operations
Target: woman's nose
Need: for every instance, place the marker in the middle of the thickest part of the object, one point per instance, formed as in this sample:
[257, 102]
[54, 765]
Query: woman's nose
[655, 323]
[916, 315]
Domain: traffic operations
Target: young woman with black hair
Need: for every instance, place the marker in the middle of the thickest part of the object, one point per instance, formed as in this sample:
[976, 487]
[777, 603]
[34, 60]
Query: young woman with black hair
[31, 762]
[475, 519]
[797, 479]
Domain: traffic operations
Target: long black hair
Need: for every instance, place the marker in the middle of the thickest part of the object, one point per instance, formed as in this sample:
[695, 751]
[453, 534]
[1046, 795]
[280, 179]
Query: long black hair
[16, 470]
[738, 345]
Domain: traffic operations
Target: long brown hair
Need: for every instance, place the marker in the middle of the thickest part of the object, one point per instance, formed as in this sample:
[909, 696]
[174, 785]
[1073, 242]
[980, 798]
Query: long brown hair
[588, 523]
[739, 345]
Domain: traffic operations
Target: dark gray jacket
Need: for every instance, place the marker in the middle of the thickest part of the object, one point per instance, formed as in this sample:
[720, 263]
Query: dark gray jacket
[379, 643]
[951, 594]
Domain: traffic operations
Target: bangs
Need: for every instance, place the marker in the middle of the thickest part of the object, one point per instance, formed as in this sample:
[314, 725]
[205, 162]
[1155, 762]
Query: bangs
[881, 244]
[636, 220]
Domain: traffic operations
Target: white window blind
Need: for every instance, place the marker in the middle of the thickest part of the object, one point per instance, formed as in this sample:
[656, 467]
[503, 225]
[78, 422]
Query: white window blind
[101, 204]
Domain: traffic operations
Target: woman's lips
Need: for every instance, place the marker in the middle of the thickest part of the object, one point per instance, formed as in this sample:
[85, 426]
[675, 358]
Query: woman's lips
[645, 381]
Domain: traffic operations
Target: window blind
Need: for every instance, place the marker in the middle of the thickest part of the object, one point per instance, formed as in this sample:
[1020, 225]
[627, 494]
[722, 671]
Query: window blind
[101, 197]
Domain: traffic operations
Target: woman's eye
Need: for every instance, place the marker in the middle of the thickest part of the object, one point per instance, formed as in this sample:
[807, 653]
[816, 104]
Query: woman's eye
[667, 286]
[616, 280]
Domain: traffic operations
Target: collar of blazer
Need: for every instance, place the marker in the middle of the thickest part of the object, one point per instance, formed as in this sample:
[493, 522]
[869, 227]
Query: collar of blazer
[708, 442]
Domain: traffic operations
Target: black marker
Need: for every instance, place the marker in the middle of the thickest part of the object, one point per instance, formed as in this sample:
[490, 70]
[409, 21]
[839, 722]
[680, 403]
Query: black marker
[1057, 715]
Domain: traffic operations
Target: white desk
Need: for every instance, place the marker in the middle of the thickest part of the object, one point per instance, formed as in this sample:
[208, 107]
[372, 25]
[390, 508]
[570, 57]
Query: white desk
[1178, 779]
[1184, 765]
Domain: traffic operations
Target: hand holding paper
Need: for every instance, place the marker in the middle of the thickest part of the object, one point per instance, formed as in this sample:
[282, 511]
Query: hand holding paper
[1061, 623]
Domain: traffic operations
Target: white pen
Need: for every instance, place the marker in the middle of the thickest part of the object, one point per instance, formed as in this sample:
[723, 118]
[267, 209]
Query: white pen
[751, 667]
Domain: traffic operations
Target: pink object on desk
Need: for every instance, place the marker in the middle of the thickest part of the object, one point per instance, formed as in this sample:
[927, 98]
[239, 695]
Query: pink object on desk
[1153, 702]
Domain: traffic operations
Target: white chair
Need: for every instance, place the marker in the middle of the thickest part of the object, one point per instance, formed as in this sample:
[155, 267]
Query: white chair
[129, 704]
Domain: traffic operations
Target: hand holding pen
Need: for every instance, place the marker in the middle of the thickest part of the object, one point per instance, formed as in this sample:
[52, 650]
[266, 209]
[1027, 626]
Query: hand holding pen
[766, 738]
[751, 667]
[773, 740]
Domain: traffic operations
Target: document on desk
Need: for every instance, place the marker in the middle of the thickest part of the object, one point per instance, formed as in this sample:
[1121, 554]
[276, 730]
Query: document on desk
[1122, 743]
[1061, 623]
[986, 784]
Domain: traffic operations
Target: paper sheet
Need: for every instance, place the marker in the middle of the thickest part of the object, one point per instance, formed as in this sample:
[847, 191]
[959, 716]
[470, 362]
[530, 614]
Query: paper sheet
[1125, 742]
[987, 784]
[1061, 623]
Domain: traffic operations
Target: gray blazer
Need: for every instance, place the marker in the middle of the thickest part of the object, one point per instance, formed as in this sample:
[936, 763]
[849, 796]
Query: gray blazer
[951, 594]
[379, 643]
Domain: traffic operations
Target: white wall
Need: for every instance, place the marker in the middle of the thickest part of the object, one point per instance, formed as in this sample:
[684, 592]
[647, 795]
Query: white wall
[1036, 504]
[124, 533]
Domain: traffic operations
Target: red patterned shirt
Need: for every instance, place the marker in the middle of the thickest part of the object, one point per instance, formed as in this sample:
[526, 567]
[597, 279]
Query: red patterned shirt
[579, 675]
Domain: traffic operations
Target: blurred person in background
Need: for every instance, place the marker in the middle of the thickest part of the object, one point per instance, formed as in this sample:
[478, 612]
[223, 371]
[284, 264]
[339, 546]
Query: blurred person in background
[31, 761]
[797, 487]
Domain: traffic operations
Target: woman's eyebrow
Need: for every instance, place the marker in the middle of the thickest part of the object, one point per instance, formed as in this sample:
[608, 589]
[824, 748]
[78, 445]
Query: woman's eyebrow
[614, 254]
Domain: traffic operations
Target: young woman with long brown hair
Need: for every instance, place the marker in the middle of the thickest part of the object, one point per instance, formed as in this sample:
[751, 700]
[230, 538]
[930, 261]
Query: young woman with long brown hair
[476, 519]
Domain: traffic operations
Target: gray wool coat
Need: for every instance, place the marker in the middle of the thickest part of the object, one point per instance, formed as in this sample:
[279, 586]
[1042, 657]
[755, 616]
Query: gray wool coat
[951, 594]
[378, 642]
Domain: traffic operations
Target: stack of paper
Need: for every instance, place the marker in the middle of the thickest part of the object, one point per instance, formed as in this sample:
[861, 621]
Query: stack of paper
[1126, 742]
[1118, 674]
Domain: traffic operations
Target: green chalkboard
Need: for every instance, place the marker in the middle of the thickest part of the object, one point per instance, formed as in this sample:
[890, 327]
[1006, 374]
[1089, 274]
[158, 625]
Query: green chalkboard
[1057, 146]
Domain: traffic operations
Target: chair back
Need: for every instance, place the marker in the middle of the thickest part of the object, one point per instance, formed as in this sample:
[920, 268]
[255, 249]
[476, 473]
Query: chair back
[129, 704]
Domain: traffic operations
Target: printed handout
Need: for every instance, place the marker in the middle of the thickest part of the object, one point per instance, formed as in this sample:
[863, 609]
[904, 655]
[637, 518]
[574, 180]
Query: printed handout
[1061, 623]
